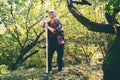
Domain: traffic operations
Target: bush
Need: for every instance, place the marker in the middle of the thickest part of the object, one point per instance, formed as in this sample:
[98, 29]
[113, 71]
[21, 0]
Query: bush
[3, 69]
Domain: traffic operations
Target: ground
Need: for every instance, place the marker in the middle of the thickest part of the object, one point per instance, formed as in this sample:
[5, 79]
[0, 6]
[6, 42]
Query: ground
[73, 72]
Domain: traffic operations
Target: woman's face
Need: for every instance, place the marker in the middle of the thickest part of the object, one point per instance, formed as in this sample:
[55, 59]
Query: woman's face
[52, 15]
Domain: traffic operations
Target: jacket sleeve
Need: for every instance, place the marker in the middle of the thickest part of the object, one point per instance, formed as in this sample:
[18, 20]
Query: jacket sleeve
[58, 26]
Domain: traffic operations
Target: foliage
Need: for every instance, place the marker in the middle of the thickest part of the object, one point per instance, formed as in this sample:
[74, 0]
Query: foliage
[112, 4]
[3, 70]
[20, 19]
[79, 41]
[21, 28]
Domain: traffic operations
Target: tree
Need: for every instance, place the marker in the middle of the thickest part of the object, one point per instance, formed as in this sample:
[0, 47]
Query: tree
[20, 22]
[111, 63]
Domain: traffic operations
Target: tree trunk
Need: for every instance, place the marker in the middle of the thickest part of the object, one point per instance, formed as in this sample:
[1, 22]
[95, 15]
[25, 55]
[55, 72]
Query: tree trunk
[17, 62]
[111, 65]
[21, 59]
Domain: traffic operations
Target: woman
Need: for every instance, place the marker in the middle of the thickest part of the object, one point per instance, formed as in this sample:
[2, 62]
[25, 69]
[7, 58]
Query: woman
[55, 40]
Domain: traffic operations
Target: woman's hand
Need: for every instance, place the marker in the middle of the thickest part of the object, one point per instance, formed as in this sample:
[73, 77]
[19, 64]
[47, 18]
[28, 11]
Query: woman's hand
[42, 24]
[46, 25]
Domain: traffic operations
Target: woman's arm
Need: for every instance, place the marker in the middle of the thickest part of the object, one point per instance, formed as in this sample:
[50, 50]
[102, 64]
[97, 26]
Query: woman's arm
[57, 29]
[48, 27]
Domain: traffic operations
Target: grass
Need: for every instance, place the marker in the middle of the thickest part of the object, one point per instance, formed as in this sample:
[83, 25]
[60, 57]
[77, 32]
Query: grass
[73, 72]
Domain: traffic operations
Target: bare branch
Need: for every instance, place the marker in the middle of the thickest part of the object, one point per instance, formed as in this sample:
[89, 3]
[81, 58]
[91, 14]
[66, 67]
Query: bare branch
[8, 28]
[63, 15]
[36, 22]
[17, 35]
[31, 28]
[27, 16]
[26, 24]
[35, 32]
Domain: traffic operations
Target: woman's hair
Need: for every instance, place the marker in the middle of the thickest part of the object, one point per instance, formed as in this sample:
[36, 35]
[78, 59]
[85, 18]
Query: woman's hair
[53, 12]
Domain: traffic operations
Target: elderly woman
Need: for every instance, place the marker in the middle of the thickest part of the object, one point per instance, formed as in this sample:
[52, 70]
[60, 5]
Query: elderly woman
[55, 40]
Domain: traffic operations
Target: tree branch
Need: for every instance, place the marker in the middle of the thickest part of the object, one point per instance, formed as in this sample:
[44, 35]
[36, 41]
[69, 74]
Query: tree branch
[31, 45]
[83, 2]
[63, 15]
[112, 18]
[36, 22]
[8, 28]
[31, 28]
[17, 35]
[26, 50]
[27, 16]
[26, 24]
[35, 32]
[36, 51]
[90, 25]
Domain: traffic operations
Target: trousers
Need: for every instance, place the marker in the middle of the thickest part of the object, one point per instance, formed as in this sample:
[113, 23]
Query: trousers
[52, 47]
